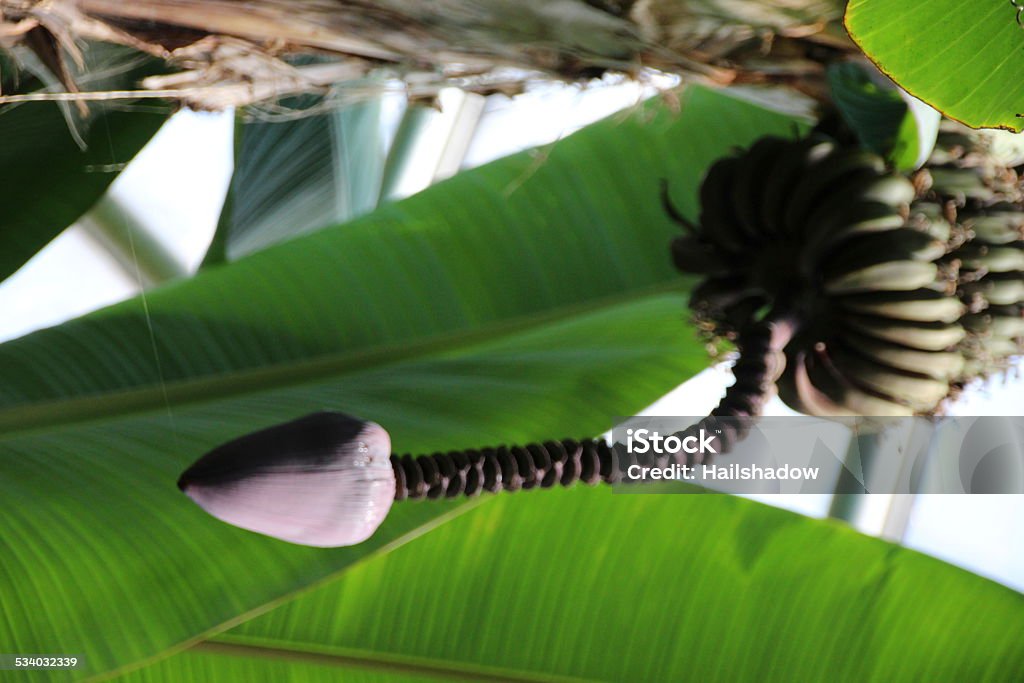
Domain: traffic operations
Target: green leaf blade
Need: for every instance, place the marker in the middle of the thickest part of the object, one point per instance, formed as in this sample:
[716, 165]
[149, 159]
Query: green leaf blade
[480, 311]
[495, 243]
[584, 584]
[54, 162]
[48, 181]
[962, 59]
[111, 503]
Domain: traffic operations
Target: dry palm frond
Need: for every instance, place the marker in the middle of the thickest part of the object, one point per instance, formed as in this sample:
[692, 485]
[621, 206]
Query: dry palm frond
[232, 52]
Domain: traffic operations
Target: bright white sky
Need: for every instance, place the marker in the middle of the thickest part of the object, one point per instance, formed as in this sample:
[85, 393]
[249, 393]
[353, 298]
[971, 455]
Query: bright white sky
[178, 182]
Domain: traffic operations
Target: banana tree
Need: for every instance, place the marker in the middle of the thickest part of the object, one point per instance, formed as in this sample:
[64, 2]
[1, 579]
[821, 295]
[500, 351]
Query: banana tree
[524, 301]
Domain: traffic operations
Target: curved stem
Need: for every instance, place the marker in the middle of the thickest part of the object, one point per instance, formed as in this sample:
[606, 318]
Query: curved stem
[543, 465]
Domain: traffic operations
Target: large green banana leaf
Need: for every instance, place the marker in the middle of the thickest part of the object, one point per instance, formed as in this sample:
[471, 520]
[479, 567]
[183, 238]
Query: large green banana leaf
[588, 585]
[522, 300]
[47, 180]
[962, 57]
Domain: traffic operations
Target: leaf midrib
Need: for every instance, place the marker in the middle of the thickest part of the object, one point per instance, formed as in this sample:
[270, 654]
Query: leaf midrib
[22, 419]
[345, 658]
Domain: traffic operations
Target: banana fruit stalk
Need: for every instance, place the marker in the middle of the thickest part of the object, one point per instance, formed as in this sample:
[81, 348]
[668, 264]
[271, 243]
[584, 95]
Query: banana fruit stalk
[904, 289]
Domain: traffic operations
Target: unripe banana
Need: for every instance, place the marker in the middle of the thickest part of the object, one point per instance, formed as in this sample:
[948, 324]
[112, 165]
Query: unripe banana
[996, 348]
[872, 205]
[995, 291]
[865, 250]
[918, 392]
[749, 192]
[894, 190]
[928, 218]
[953, 143]
[890, 276]
[822, 391]
[959, 183]
[785, 174]
[1002, 227]
[926, 336]
[991, 323]
[944, 365]
[852, 220]
[977, 256]
[833, 172]
[919, 305]
[832, 219]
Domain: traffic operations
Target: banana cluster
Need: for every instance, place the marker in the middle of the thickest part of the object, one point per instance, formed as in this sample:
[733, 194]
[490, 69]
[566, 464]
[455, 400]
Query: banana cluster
[973, 175]
[899, 302]
[992, 287]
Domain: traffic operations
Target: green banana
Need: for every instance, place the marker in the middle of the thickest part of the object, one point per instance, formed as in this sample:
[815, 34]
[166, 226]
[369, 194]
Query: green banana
[786, 172]
[995, 291]
[930, 336]
[841, 216]
[857, 219]
[824, 392]
[995, 325]
[1000, 227]
[920, 305]
[892, 245]
[748, 195]
[894, 190]
[797, 391]
[929, 218]
[994, 348]
[944, 365]
[921, 393]
[961, 183]
[833, 172]
[891, 275]
[976, 256]
[951, 145]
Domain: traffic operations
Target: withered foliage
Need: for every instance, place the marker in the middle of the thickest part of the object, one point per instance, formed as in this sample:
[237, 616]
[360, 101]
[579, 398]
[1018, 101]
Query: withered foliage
[233, 52]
